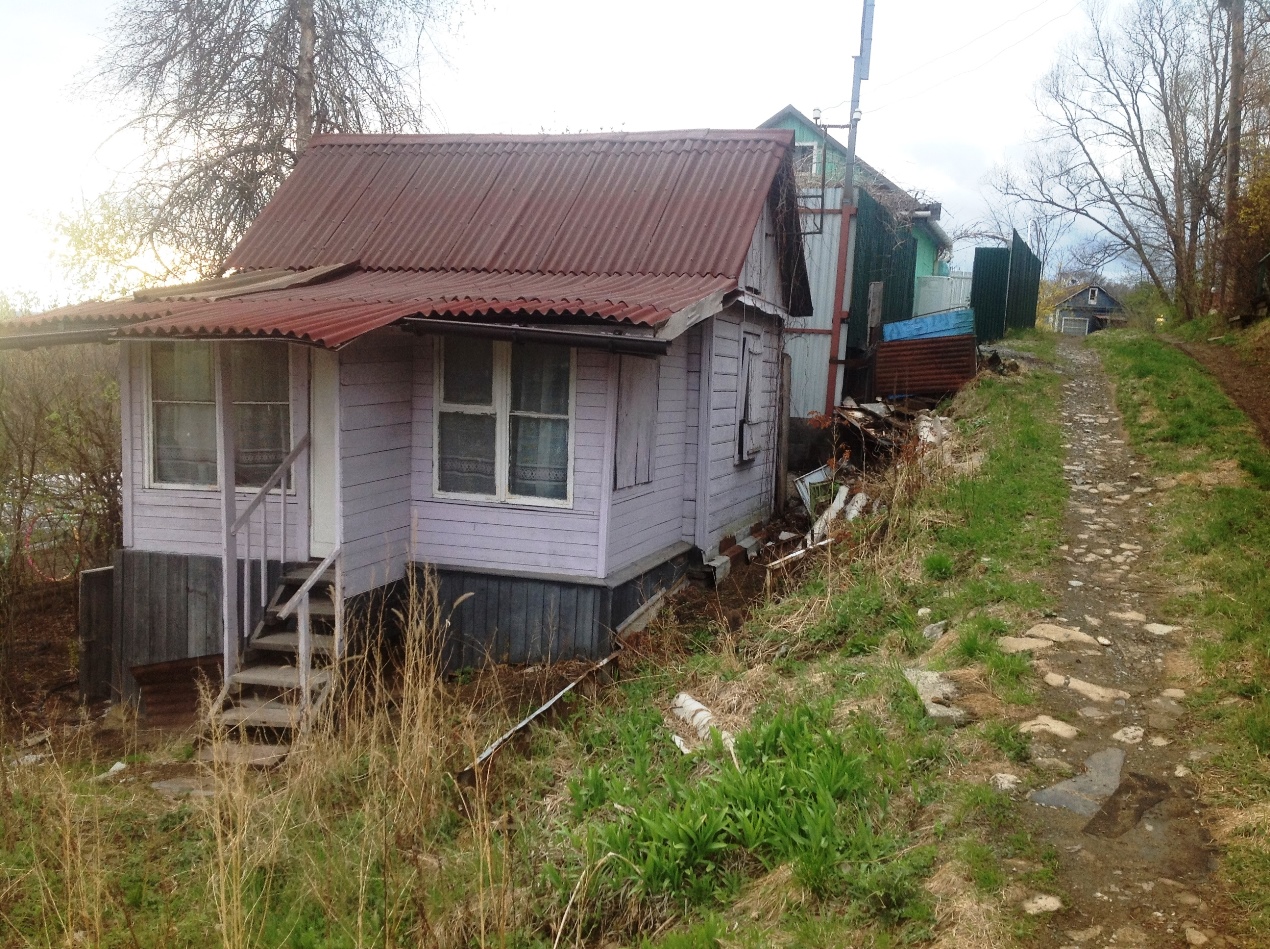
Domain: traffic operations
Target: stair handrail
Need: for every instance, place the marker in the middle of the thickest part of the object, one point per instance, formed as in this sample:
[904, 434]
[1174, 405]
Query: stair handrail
[279, 473]
[308, 584]
[303, 625]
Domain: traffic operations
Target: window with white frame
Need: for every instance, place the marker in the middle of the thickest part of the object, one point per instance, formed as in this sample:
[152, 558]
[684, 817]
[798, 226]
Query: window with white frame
[1093, 296]
[504, 420]
[182, 443]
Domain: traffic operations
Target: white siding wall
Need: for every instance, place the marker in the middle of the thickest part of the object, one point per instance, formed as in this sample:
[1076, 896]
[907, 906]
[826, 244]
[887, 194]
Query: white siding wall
[453, 533]
[739, 495]
[376, 393]
[188, 521]
[647, 518]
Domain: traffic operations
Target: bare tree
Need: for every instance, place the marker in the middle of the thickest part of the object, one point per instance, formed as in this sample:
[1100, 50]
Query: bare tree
[1137, 143]
[1043, 228]
[226, 94]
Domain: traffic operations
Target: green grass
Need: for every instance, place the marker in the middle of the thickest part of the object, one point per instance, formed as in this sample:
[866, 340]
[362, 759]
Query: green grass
[1210, 546]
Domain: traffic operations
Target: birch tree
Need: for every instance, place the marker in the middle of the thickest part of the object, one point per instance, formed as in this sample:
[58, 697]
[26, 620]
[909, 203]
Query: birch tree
[227, 93]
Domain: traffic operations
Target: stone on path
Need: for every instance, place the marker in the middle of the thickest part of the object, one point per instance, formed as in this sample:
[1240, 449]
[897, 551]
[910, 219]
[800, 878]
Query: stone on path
[1095, 693]
[1104, 641]
[1131, 616]
[1130, 734]
[935, 630]
[936, 693]
[1042, 904]
[1005, 781]
[1043, 723]
[1059, 634]
[1013, 644]
[1160, 629]
[1195, 938]
[1094, 712]
[1085, 793]
[1175, 694]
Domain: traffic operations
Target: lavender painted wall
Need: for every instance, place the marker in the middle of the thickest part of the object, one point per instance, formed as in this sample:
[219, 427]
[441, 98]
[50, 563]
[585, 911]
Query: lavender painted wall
[187, 520]
[647, 518]
[376, 425]
[516, 537]
[738, 494]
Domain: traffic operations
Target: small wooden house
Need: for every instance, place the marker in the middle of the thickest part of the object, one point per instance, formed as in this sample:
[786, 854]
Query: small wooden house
[545, 366]
[1087, 309]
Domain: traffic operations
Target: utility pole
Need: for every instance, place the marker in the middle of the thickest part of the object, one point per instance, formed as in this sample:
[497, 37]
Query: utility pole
[1234, 133]
[860, 72]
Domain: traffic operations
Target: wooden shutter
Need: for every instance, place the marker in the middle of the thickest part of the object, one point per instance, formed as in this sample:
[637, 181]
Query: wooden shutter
[636, 421]
[751, 433]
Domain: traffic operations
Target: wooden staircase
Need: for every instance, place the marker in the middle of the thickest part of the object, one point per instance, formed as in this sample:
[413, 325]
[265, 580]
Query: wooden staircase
[262, 706]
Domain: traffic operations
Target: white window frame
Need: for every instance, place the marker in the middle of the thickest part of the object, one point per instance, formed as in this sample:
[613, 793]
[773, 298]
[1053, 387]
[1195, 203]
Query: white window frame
[151, 482]
[501, 394]
[1093, 296]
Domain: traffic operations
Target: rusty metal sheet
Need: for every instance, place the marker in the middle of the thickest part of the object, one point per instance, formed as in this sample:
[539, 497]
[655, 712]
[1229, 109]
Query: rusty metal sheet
[661, 202]
[925, 366]
[170, 690]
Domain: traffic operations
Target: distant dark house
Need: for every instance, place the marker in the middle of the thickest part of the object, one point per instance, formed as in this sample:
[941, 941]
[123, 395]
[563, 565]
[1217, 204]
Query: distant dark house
[1087, 309]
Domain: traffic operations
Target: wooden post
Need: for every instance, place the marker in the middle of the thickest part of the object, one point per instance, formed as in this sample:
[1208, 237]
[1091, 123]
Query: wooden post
[229, 507]
[305, 658]
[782, 451]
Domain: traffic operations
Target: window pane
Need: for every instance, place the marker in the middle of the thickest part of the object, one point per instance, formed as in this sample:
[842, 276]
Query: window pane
[540, 378]
[181, 372]
[185, 444]
[468, 369]
[259, 372]
[465, 453]
[539, 463]
[262, 438]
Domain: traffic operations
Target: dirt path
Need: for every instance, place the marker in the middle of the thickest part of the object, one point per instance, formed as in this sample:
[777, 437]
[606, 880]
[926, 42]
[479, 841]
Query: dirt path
[1137, 867]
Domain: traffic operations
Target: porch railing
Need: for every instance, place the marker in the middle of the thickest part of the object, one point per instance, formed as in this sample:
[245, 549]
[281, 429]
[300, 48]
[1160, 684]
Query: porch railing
[300, 601]
[244, 527]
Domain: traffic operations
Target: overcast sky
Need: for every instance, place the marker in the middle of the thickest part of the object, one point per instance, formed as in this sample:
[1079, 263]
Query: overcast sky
[950, 93]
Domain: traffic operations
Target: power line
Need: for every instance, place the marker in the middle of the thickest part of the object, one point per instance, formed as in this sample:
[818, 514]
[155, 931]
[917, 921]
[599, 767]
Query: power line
[930, 62]
[995, 56]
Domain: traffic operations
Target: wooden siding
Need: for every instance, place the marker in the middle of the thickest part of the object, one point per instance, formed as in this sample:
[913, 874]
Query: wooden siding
[167, 606]
[376, 389]
[760, 274]
[187, 520]
[96, 632]
[692, 425]
[739, 494]
[522, 619]
[649, 517]
[479, 534]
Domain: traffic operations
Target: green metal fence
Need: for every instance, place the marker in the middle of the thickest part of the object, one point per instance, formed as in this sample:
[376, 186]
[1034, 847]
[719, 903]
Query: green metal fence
[1004, 289]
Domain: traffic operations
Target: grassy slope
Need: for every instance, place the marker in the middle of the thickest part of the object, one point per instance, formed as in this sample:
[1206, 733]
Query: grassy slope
[1212, 532]
[846, 801]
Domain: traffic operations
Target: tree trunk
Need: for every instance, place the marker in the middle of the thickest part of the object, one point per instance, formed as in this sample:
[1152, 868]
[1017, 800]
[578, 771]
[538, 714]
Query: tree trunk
[304, 76]
[1234, 132]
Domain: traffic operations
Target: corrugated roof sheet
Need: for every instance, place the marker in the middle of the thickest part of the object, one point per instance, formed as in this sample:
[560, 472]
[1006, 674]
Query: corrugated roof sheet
[627, 228]
[926, 366]
[622, 203]
[333, 313]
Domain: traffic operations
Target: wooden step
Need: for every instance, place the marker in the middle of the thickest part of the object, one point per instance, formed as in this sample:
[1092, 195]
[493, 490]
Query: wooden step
[320, 607]
[241, 753]
[323, 643]
[279, 677]
[262, 716]
[297, 576]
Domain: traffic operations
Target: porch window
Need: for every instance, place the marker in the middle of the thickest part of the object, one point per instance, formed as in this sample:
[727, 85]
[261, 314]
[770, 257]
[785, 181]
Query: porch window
[504, 420]
[183, 412]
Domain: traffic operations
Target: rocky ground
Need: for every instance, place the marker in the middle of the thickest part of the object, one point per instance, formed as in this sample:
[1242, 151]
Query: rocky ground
[1112, 786]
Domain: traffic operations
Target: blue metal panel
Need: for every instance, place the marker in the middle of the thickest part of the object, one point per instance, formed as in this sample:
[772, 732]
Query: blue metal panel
[948, 323]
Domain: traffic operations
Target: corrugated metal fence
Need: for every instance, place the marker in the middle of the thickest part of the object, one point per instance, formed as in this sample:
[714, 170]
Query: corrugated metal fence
[1004, 289]
[886, 253]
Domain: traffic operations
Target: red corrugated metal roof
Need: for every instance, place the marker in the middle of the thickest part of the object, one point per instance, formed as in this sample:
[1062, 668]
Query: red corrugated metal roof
[334, 313]
[624, 227]
[621, 203]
